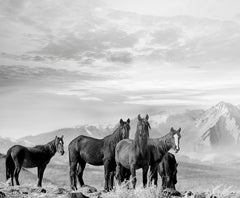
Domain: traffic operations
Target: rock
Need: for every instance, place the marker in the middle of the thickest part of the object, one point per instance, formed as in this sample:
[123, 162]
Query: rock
[200, 195]
[188, 193]
[169, 191]
[2, 194]
[77, 195]
[61, 191]
[213, 196]
[90, 189]
[43, 190]
[96, 194]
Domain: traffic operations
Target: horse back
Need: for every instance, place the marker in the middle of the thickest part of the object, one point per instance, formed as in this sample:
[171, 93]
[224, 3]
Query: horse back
[87, 149]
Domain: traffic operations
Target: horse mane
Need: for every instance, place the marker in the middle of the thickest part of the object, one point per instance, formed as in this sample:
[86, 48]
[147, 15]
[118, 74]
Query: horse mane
[50, 146]
[164, 147]
[112, 139]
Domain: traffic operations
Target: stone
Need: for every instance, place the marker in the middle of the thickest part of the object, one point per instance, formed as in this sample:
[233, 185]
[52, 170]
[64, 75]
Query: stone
[200, 195]
[77, 195]
[2, 194]
[43, 190]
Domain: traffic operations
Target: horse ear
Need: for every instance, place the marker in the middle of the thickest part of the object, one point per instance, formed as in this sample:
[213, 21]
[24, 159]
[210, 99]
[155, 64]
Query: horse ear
[147, 116]
[128, 120]
[62, 137]
[56, 137]
[179, 130]
[172, 129]
[139, 117]
[121, 121]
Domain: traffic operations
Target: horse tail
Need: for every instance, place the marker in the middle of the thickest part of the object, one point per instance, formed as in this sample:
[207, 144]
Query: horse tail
[9, 165]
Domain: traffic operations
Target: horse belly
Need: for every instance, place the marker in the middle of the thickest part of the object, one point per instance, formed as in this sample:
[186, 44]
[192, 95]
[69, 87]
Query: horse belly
[31, 160]
[93, 158]
[29, 164]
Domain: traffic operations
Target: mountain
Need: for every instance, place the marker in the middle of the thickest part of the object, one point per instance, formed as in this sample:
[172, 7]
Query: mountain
[69, 134]
[6, 143]
[219, 126]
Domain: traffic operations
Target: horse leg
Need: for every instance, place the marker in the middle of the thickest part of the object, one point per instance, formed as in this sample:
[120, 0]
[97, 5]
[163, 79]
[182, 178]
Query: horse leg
[133, 173]
[153, 173]
[106, 174]
[73, 166]
[12, 176]
[118, 173]
[81, 168]
[40, 175]
[16, 173]
[155, 177]
[144, 174]
[111, 180]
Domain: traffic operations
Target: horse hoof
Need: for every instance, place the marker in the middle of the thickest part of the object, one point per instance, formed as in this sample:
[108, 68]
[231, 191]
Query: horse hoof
[43, 191]
[74, 188]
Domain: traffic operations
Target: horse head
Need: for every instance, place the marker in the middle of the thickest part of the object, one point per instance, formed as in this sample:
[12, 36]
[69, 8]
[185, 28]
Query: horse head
[124, 128]
[175, 139]
[143, 126]
[59, 144]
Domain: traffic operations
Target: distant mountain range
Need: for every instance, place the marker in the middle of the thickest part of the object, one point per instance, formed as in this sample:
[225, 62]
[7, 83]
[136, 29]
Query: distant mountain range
[218, 126]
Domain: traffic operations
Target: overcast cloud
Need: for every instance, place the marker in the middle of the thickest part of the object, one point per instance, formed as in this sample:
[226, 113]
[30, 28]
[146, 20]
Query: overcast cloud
[66, 63]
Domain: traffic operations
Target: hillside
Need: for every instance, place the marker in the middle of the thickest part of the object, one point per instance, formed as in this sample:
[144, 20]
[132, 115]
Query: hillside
[219, 126]
[210, 129]
[69, 134]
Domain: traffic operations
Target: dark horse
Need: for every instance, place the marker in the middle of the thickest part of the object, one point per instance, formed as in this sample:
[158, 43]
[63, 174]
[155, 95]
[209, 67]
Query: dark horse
[158, 147]
[167, 169]
[29, 157]
[134, 154]
[96, 152]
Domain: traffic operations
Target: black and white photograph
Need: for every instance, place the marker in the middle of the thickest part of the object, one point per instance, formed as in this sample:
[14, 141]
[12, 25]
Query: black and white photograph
[120, 98]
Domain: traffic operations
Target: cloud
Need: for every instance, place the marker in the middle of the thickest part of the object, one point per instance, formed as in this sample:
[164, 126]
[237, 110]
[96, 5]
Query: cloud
[121, 57]
[23, 76]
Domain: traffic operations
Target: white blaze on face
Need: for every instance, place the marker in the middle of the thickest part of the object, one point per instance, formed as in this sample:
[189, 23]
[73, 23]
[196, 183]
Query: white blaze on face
[176, 141]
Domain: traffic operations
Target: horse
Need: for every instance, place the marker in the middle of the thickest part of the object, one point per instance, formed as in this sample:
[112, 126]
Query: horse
[39, 156]
[167, 169]
[134, 154]
[158, 147]
[97, 152]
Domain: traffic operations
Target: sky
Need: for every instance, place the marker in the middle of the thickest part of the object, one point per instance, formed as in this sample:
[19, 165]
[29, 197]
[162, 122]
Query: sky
[65, 63]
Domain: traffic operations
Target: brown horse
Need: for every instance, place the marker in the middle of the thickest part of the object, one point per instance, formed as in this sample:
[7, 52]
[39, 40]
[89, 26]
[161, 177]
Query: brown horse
[158, 147]
[28, 157]
[167, 169]
[134, 154]
[96, 152]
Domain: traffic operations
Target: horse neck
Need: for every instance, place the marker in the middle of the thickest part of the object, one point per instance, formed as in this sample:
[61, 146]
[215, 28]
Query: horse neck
[51, 147]
[140, 144]
[114, 138]
[163, 145]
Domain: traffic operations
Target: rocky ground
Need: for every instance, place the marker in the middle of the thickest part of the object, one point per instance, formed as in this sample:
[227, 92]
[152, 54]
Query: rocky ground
[29, 191]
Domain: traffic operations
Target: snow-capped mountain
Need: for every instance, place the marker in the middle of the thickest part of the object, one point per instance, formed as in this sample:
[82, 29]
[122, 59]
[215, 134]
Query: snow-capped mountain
[219, 126]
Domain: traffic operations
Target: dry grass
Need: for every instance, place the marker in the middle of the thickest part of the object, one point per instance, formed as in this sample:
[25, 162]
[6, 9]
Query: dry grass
[28, 190]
